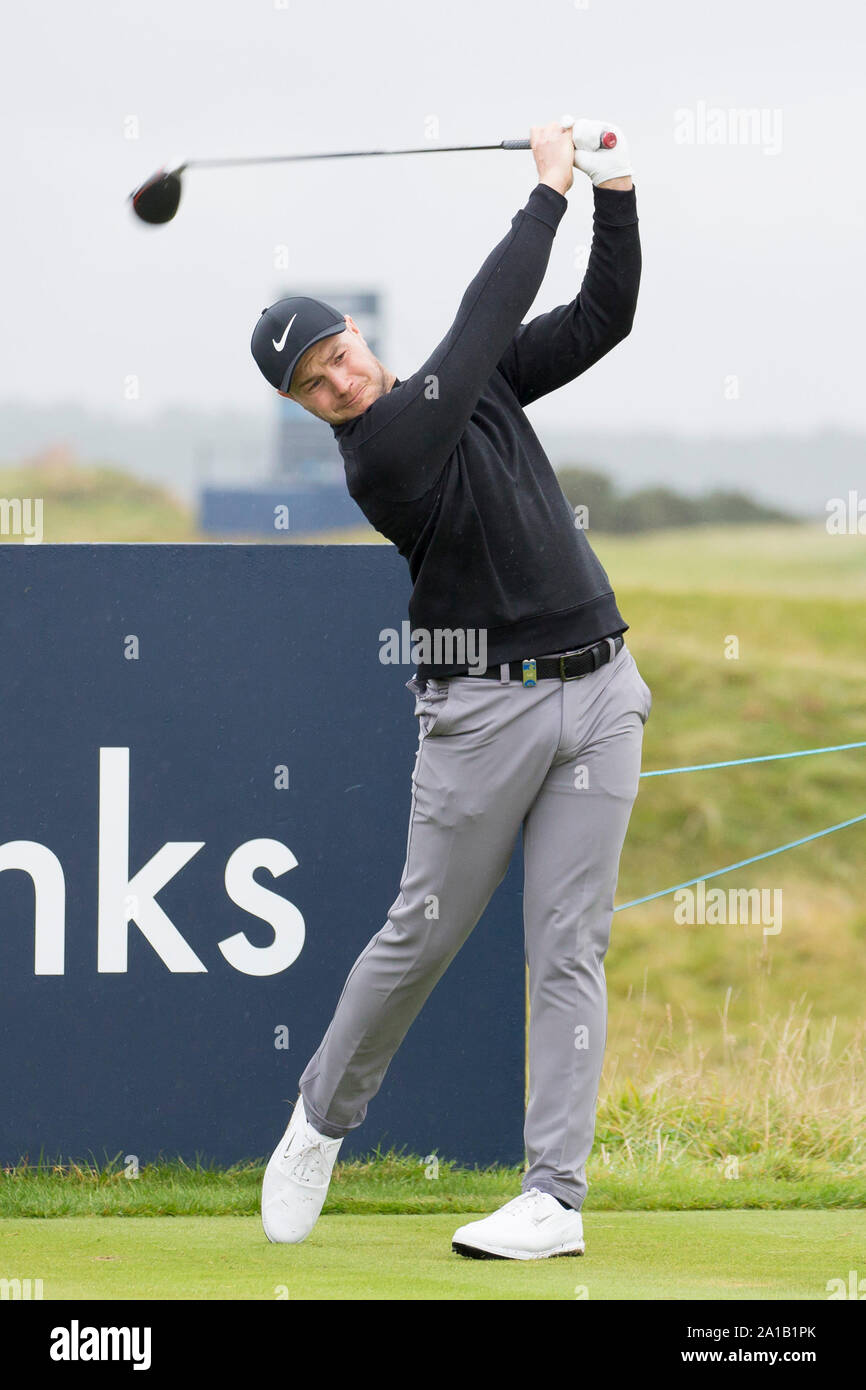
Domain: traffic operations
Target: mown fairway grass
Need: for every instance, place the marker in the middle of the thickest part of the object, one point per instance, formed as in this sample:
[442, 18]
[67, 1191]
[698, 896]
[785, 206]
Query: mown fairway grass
[647, 1255]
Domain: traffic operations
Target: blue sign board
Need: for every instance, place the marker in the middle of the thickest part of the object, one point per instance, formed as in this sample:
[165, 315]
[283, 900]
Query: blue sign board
[204, 806]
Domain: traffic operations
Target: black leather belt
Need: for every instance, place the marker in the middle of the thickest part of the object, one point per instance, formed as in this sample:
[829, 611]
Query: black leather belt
[572, 666]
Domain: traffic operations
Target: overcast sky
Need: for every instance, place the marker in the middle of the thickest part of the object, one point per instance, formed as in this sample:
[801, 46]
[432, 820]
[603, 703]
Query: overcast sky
[752, 301]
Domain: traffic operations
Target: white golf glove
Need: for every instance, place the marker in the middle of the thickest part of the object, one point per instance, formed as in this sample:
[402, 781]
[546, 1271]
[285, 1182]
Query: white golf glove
[599, 164]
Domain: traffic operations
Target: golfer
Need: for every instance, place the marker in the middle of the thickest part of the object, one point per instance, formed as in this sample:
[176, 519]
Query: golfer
[543, 737]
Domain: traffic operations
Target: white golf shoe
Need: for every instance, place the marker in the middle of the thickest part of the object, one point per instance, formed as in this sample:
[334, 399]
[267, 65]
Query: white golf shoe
[531, 1227]
[296, 1180]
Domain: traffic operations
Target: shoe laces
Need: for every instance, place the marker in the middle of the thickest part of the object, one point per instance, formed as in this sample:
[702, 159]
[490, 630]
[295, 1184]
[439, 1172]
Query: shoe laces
[528, 1202]
[309, 1163]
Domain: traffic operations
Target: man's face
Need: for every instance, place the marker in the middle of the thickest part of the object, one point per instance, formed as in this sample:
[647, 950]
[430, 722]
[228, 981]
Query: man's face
[339, 378]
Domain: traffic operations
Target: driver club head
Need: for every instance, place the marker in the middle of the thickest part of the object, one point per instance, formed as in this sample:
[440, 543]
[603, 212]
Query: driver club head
[157, 199]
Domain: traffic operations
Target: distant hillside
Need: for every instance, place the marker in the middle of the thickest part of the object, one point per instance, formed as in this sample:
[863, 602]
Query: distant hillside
[182, 448]
[92, 503]
[600, 505]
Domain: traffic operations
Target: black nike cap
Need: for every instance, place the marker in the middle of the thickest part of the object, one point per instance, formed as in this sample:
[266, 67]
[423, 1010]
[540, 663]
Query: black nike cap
[285, 331]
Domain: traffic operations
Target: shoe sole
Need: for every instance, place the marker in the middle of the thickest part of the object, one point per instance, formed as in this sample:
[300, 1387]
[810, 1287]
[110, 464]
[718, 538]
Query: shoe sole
[476, 1252]
[271, 1240]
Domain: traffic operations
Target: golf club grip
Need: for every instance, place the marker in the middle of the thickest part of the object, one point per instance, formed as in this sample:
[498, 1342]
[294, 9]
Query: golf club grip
[607, 142]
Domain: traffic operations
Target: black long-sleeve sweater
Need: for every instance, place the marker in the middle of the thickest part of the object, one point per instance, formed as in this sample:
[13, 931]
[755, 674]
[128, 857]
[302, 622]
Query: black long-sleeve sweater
[447, 466]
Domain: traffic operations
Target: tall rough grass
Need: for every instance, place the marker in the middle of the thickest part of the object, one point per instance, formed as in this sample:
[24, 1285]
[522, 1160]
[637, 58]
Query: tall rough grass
[778, 1102]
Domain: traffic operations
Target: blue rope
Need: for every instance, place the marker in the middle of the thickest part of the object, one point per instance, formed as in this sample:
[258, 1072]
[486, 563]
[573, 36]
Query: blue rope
[767, 758]
[755, 857]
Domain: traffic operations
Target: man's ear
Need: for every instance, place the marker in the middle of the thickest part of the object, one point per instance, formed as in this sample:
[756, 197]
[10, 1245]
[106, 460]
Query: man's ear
[353, 328]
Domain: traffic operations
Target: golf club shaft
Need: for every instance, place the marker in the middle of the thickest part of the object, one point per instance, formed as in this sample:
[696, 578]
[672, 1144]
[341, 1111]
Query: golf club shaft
[358, 154]
[343, 154]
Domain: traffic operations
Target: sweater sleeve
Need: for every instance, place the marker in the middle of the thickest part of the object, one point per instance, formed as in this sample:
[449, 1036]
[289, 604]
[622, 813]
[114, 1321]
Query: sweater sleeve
[556, 347]
[401, 444]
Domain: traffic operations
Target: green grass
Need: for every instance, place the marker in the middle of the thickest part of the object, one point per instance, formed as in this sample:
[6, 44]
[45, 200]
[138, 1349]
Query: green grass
[395, 1186]
[797, 684]
[648, 1255]
[797, 561]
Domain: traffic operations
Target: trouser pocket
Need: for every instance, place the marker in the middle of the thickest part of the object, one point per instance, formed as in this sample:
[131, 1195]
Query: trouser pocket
[431, 697]
[646, 693]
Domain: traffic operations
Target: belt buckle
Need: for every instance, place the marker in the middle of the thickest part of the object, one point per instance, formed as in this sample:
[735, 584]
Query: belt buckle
[581, 674]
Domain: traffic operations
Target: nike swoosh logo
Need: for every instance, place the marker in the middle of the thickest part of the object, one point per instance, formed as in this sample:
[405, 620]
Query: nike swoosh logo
[282, 343]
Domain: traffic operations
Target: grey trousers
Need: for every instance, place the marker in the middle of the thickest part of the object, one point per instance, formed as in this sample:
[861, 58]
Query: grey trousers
[560, 759]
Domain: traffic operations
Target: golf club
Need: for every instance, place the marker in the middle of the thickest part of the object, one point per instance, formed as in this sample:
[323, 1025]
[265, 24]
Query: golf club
[157, 199]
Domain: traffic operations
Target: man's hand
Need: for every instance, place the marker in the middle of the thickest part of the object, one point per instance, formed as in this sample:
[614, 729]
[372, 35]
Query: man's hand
[553, 150]
[606, 168]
